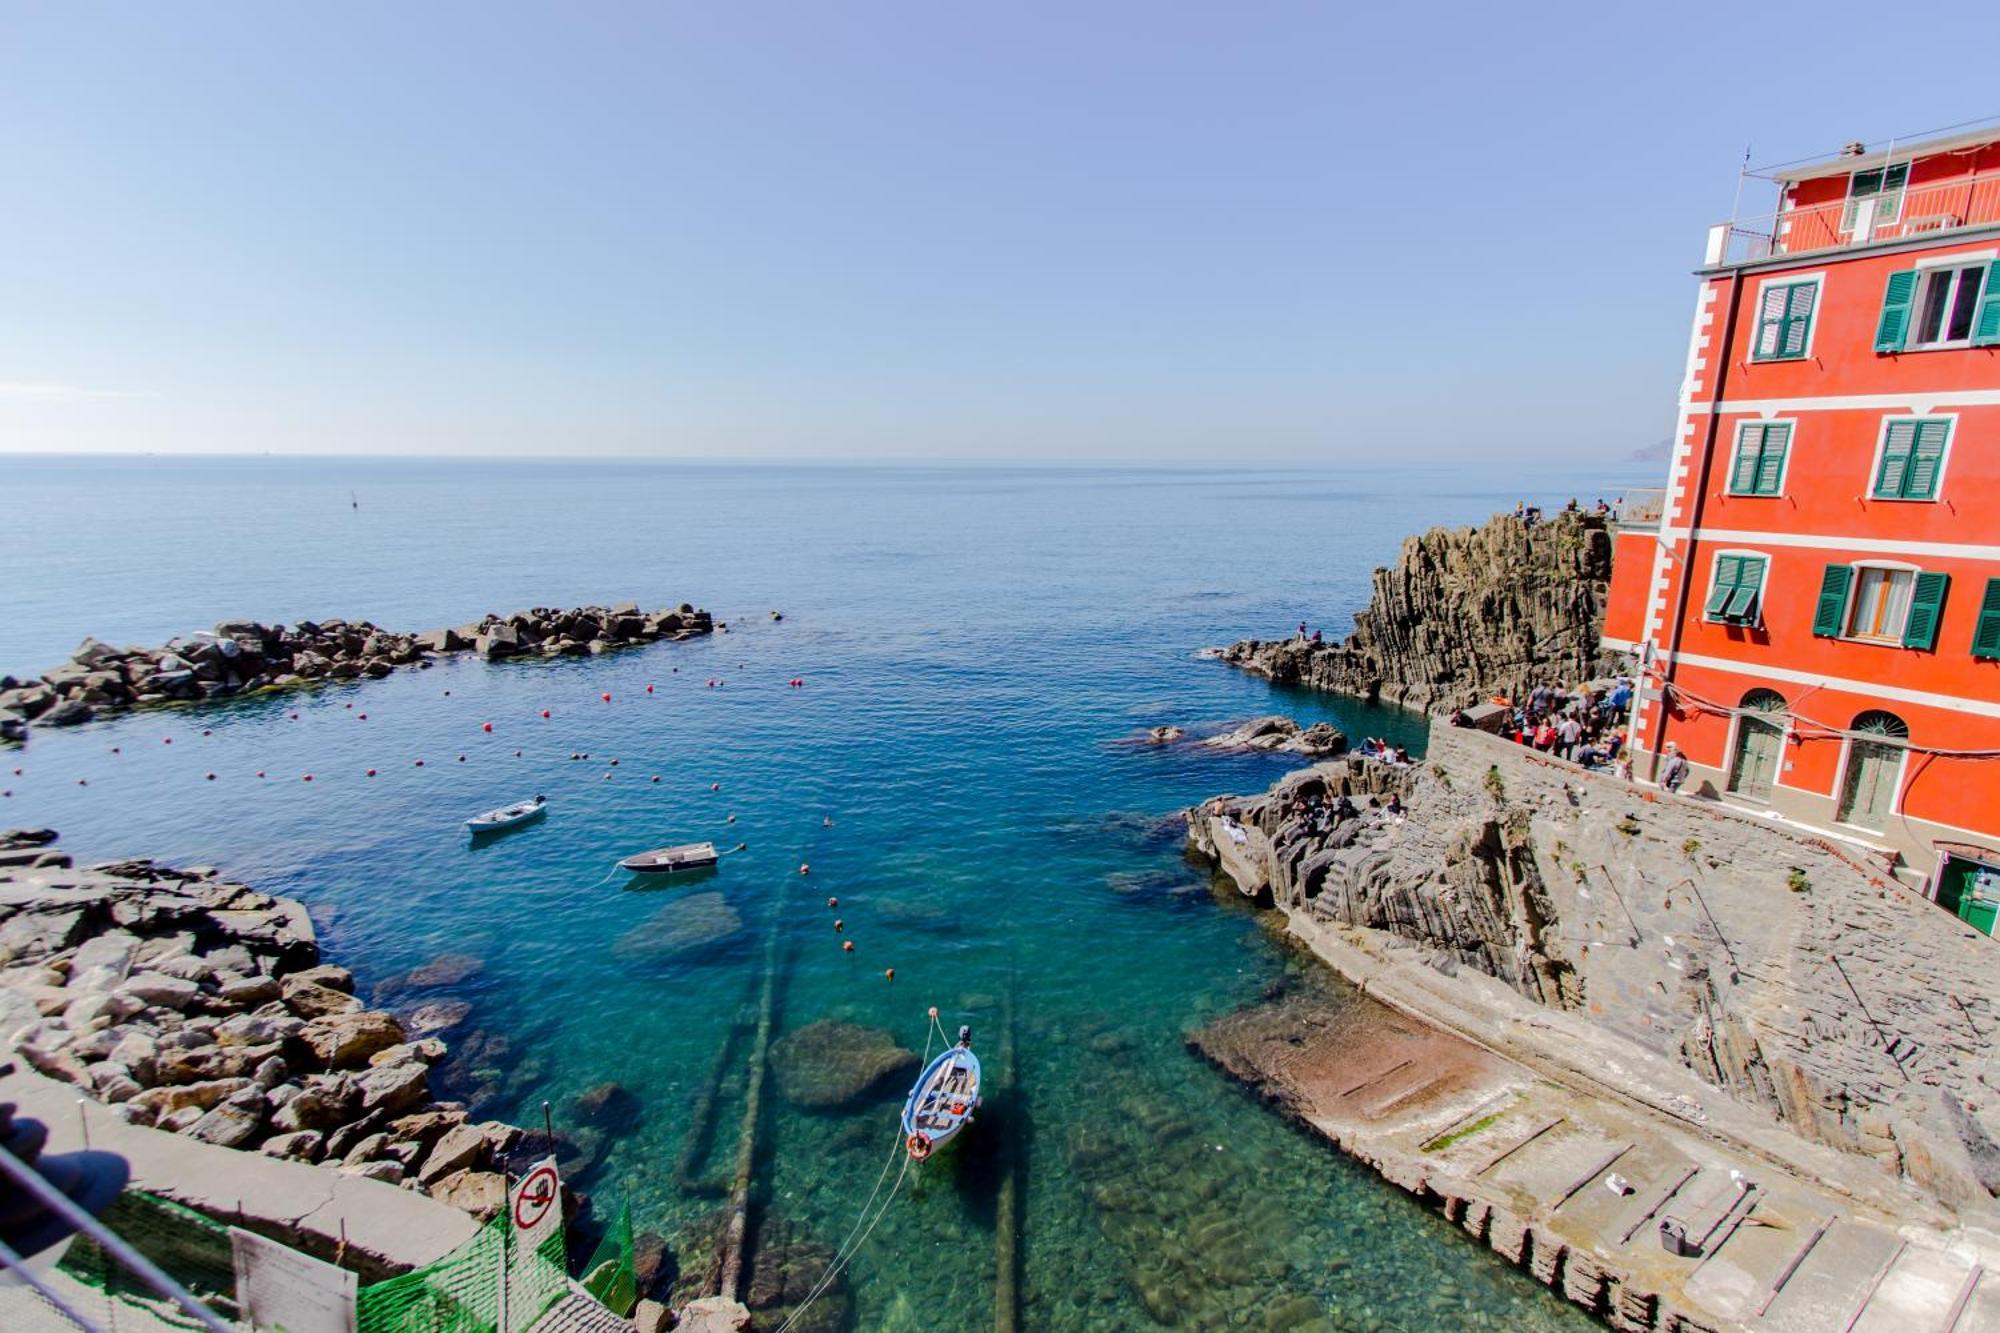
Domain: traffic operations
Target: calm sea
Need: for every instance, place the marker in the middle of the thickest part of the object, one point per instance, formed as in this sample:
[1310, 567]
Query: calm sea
[978, 646]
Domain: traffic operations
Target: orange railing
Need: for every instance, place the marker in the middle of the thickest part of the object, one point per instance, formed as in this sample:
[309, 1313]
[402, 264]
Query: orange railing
[1921, 210]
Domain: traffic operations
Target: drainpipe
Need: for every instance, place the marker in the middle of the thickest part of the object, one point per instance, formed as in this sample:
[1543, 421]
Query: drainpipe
[1727, 352]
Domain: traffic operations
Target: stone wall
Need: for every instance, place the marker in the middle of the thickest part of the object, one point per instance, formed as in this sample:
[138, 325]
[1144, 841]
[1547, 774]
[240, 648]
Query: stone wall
[1771, 965]
[1465, 613]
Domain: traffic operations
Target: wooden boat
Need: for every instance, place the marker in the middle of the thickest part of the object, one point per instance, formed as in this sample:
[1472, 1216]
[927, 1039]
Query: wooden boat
[507, 816]
[942, 1102]
[667, 860]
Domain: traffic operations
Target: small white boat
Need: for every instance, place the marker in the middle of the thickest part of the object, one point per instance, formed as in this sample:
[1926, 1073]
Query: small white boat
[942, 1102]
[507, 816]
[667, 860]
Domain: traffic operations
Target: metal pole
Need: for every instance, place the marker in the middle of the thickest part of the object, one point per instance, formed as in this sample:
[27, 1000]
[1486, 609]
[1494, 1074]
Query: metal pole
[117, 1248]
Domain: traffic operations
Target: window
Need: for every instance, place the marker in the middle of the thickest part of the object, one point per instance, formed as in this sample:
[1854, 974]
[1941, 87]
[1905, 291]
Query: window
[1947, 301]
[1759, 468]
[1884, 604]
[1882, 184]
[1876, 745]
[1784, 320]
[1734, 593]
[1953, 305]
[1986, 634]
[1912, 458]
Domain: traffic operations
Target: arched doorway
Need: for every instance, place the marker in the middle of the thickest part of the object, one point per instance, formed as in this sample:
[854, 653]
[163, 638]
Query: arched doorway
[1874, 767]
[1760, 744]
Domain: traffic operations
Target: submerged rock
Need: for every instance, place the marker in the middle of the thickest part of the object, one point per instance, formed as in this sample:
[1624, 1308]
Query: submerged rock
[830, 1064]
[1276, 732]
[684, 927]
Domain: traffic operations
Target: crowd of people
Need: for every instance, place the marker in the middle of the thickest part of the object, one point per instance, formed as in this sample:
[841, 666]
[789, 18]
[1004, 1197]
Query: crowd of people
[1322, 816]
[1529, 515]
[1585, 725]
[1374, 747]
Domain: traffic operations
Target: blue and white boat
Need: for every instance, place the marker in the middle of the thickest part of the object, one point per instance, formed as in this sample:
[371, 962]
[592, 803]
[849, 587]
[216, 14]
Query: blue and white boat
[942, 1102]
[507, 816]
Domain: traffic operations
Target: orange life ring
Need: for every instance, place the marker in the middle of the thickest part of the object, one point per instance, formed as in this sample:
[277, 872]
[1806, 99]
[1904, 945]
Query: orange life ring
[919, 1146]
[958, 1108]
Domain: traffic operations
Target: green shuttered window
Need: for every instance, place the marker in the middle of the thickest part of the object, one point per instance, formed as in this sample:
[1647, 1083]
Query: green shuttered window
[1912, 458]
[1831, 612]
[1986, 324]
[1926, 610]
[1986, 635]
[1759, 468]
[1894, 326]
[1734, 595]
[1784, 321]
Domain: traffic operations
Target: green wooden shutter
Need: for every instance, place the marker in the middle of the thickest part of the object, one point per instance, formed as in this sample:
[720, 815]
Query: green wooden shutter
[1800, 298]
[1894, 326]
[1832, 608]
[1770, 323]
[1771, 460]
[1986, 324]
[1926, 459]
[1926, 609]
[1728, 569]
[1897, 441]
[1986, 635]
[1749, 447]
[1742, 605]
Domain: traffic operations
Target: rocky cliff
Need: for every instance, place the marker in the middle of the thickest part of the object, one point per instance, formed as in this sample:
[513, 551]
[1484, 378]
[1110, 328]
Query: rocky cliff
[1465, 613]
[1772, 967]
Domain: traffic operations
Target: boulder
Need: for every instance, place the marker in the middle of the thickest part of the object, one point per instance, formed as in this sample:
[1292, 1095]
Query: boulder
[346, 1040]
[713, 1314]
[199, 1097]
[309, 999]
[480, 1193]
[609, 1107]
[322, 1103]
[232, 1124]
[437, 1016]
[302, 1145]
[684, 928]
[389, 1173]
[461, 1148]
[831, 1064]
[393, 1089]
[327, 975]
[247, 992]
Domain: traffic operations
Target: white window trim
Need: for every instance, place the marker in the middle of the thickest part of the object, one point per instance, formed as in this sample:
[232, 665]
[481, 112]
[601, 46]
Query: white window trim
[1882, 444]
[1895, 791]
[1818, 279]
[1763, 587]
[1729, 756]
[1847, 634]
[1901, 190]
[1784, 472]
[1924, 269]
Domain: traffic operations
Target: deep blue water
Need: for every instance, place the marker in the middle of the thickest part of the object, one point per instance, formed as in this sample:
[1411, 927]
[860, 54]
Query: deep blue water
[978, 647]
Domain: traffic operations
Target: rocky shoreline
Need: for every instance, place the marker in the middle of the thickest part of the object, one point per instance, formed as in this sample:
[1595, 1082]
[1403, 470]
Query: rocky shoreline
[1464, 614]
[243, 656]
[194, 1005]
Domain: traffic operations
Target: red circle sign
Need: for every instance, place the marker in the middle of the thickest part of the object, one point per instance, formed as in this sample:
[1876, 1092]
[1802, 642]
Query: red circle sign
[537, 1196]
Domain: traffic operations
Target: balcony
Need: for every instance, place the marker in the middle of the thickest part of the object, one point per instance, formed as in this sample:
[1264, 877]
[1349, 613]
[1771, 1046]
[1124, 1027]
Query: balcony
[1933, 209]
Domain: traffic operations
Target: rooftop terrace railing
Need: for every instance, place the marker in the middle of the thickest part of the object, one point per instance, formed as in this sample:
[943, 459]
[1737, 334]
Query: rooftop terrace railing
[1920, 210]
[1641, 509]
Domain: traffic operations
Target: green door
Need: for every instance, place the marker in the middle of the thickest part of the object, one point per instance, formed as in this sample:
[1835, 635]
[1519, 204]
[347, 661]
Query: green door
[1758, 744]
[1868, 794]
[1971, 890]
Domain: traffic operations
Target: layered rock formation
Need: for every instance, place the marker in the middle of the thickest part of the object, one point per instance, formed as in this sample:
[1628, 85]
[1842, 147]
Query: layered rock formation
[198, 1006]
[1465, 613]
[242, 655]
[1776, 969]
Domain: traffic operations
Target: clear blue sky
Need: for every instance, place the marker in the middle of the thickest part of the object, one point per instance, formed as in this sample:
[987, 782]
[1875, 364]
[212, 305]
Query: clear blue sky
[1149, 232]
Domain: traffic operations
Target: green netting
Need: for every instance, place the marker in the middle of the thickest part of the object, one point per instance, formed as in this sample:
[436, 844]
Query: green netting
[610, 1275]
[460, 1293]
[189, 1248]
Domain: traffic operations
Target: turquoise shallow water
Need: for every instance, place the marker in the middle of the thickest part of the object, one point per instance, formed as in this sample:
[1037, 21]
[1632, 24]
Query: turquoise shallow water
[978, 646]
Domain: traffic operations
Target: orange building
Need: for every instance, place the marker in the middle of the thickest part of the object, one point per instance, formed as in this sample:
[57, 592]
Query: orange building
[1814, 599]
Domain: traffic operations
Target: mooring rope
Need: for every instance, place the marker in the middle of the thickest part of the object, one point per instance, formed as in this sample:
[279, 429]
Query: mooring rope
[850, 1246]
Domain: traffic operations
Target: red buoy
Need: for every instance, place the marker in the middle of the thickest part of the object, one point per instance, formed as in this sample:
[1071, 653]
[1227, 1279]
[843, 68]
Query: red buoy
[888, 974]
[166, 740]
[715, 786]
[649, 689]
[211, 777]
[206, 732]
[545, 712]
[361, 717]
[804, 869]
[308, 778]
[371, 772]
[839, 925]
[461, 759]
[656, 777]
[420, 763]
[260, 772]
[847, 946]
[488, 726]
[606, 697]
[833, 902]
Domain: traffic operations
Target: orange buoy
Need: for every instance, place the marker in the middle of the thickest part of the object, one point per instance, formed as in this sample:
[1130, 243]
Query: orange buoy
[847, 946]
[888, 974]
[833, 902]
[488, 726]
[838, 924]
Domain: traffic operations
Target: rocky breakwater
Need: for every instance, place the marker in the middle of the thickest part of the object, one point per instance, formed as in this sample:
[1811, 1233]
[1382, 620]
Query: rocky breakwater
[1464, 614]
[201, 1007]
[240, 656]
